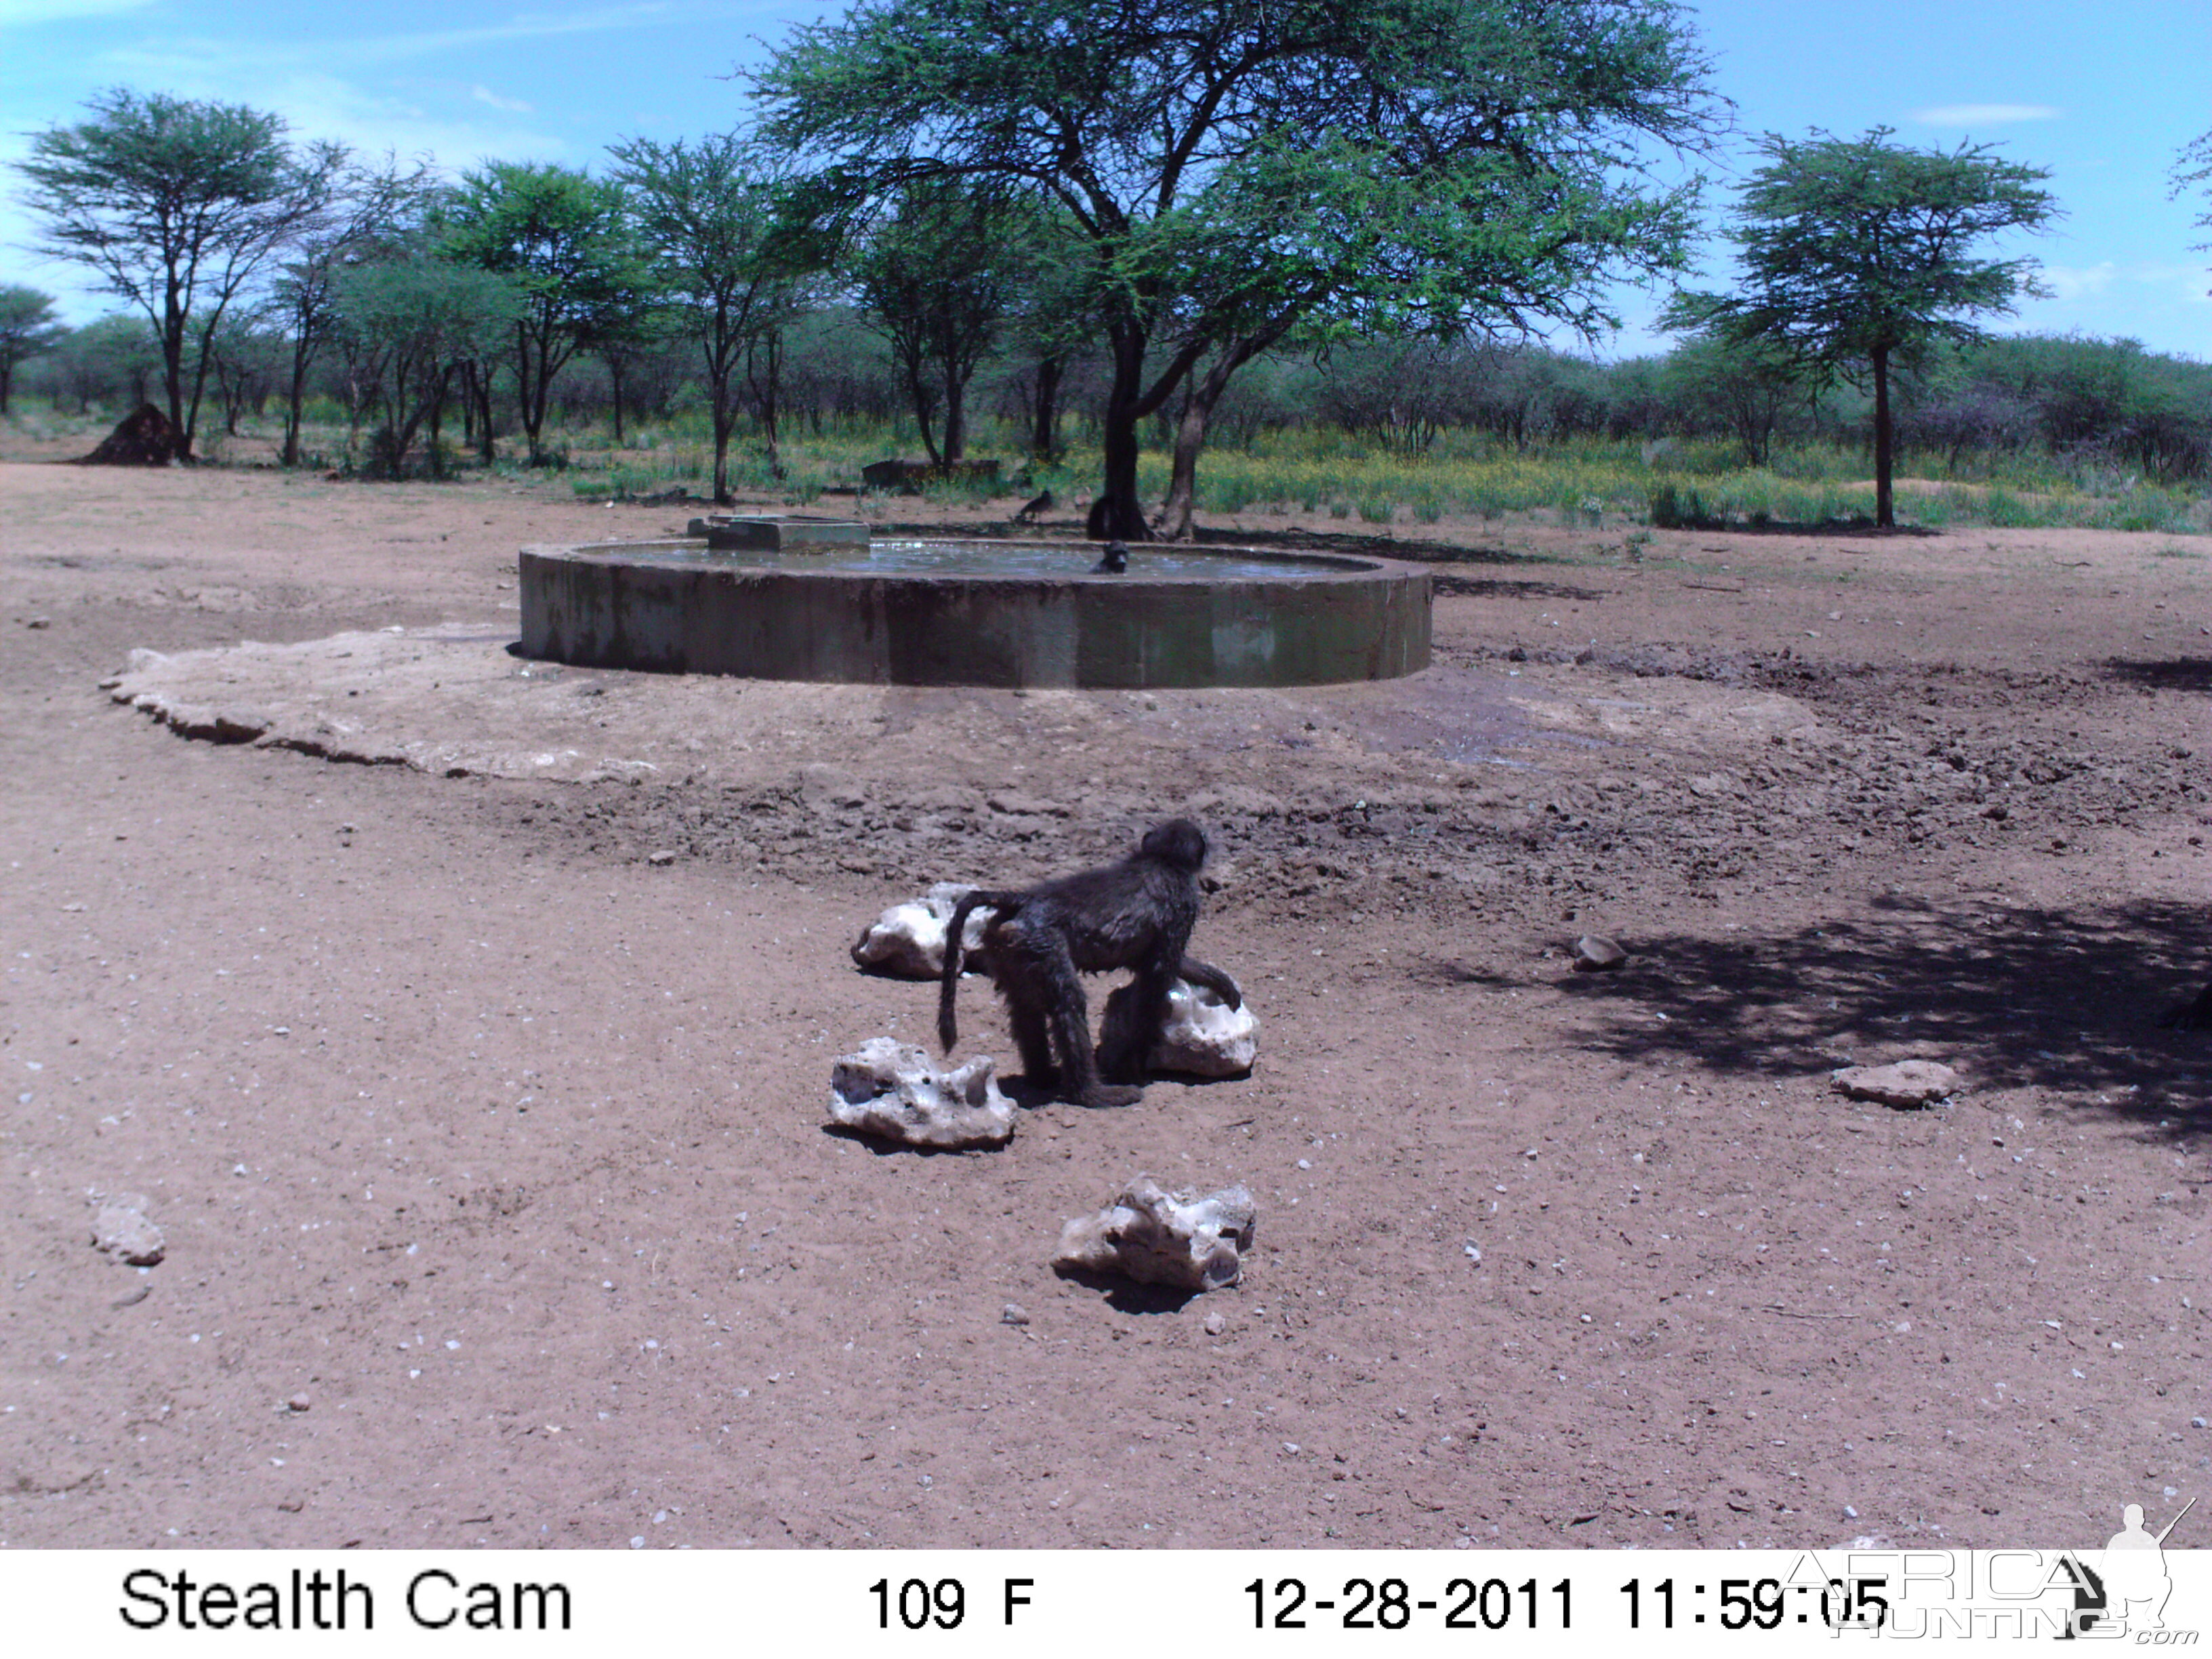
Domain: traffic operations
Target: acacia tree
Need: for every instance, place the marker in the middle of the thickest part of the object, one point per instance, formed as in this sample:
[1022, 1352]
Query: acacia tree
[938, 279]
[408, 322]
[709, 215]
[2192, 169]
[1743, 389]
[1858, 255]
[177, 205]
[27, 328]
[368, 207]
[564, 241]
[1468, 156]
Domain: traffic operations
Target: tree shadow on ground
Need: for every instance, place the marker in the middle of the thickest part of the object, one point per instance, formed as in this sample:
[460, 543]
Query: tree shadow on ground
[1410, 548]
[2067, 1000]
[1502, 587]
[1827, 529]
[2163, 673]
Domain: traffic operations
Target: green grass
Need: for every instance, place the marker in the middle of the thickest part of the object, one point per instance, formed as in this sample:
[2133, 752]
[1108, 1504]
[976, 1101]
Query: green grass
[1314, 471]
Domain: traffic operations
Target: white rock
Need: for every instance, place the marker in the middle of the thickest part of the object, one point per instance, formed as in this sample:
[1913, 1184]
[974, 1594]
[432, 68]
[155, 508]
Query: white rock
[1204, 1036]
[908, 940]
[893, 1089]
[120, 1227]
[1596, 954]
[1908, 1082]
[1159, 1237]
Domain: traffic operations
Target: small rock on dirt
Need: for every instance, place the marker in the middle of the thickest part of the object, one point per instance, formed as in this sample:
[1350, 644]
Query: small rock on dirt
[1596, 954]
[1014, 1313]
[1908, 1082]
[891, 1089]
[1215, 1324]
[1159, 1237]
[120, 1228]
[299, 1403]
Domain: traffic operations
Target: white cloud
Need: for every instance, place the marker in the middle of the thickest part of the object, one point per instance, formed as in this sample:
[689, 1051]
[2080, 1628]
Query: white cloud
[1984, 115]
[512, 106]
[153, 54]
[456, 133]
[2152, 284]
[22, 14]
[2071, 282]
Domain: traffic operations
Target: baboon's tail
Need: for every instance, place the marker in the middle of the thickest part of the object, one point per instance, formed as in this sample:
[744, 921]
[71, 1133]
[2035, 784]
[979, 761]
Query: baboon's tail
[955, 931]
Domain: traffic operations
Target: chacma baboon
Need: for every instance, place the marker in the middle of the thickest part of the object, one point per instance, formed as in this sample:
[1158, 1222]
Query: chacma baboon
[1137, 914]
[1113, 562]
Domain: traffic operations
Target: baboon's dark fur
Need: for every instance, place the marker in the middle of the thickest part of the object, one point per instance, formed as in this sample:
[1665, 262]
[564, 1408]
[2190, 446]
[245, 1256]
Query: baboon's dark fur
[1138, 914]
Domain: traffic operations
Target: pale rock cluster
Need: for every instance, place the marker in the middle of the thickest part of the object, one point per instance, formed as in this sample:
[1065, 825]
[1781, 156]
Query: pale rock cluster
[908, 940]
[1159, 1237]
[893, 1091]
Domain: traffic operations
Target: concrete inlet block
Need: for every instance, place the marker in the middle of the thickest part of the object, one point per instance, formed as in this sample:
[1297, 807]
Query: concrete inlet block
[773, 532]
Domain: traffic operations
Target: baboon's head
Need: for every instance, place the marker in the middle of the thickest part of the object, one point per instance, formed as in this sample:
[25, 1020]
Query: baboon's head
[1178, 843]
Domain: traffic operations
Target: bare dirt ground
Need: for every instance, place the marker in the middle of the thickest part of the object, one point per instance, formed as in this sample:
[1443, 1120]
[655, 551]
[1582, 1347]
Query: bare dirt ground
[489, 1150]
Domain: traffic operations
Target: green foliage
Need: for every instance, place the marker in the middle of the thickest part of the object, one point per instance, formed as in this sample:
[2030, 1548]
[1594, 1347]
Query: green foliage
[564, 242]
[1856, 251]
[711, 214]
[2192, 170]
[1238, 171]
[1674, 509]
[175, 205]
[1855, 246]
[27, 328]
[407, 323]
[938, 278]
[113, 360]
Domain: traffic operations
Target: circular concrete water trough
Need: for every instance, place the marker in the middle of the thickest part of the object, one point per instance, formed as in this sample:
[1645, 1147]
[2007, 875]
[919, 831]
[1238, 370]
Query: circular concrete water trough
[976, 613]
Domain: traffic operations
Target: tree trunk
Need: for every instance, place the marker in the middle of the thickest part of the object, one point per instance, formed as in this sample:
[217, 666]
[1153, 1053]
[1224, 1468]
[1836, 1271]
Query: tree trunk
[917, 392]
[614, 374]
[1198, 406]
[1885, 514]
[1044, 435]
[1118, 515]
[767, 391]
[956, 415]
[476, 389]
[293, 403]
[724, 419]
[438, 421]
[169, 327]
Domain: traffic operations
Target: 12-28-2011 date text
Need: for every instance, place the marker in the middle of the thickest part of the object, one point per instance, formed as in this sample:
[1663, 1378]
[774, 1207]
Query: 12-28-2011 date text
[1392, 1604]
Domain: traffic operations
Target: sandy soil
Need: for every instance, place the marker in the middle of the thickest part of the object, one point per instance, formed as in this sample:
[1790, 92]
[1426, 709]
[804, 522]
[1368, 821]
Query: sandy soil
[490, 1150]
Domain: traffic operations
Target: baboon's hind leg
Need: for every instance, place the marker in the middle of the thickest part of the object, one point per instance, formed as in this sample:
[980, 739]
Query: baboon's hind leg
[1033, 1037]
[1061, 991]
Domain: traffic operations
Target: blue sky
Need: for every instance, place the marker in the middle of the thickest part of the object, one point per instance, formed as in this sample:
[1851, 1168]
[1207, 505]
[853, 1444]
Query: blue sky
[2103, 97]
